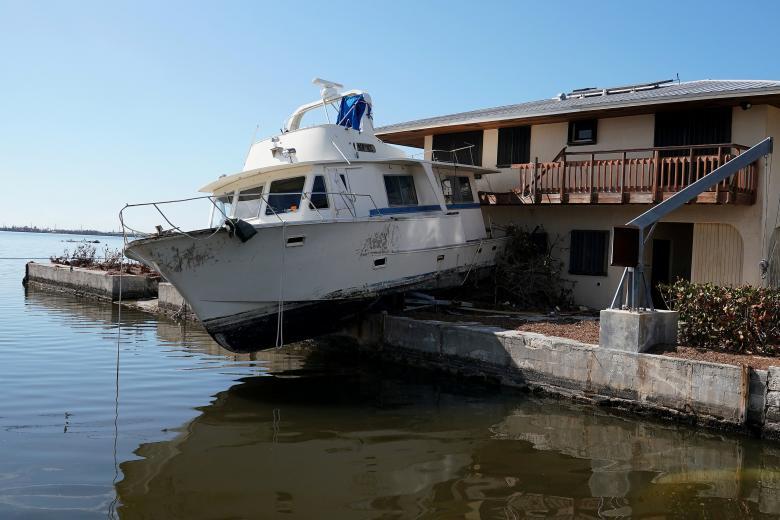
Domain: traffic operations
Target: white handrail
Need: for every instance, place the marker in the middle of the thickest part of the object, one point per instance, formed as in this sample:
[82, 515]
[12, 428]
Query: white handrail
[213, 198]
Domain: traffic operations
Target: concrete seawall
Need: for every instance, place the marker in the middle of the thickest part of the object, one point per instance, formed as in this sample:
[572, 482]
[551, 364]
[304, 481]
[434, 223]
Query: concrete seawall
[100, 285]
[712, 394]
[138, 292]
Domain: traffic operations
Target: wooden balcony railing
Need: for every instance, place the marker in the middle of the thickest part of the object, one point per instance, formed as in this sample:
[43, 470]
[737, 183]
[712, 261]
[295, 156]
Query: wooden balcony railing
[638, 175]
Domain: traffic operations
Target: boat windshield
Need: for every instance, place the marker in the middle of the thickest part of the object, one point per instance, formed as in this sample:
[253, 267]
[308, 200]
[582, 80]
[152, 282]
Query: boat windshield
[224, 207]
[248, 203]
[285, 195]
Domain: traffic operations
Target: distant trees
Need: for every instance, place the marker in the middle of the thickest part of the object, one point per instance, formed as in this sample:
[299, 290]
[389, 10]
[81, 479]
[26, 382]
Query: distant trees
[36, 229]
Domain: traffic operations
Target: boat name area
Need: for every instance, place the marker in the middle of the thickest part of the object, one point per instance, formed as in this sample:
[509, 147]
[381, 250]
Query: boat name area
[381, 241]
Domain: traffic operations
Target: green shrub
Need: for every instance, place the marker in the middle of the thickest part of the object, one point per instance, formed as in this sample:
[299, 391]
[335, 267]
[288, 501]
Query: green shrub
[738, 319]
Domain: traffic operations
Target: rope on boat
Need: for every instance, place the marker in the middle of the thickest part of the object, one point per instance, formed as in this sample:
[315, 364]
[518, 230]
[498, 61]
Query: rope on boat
[473, 262]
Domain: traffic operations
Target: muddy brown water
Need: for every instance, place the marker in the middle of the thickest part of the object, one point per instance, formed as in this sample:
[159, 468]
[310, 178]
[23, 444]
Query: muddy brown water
[195, 432]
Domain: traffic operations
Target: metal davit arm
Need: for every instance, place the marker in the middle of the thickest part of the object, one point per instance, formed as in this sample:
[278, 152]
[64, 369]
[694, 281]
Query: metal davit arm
[635, 276]
[719, 174]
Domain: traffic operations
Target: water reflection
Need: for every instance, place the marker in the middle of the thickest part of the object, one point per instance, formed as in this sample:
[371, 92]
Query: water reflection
[207, 433]
[357, 445]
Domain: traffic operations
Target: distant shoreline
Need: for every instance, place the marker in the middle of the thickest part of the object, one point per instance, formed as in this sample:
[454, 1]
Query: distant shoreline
[90, 232]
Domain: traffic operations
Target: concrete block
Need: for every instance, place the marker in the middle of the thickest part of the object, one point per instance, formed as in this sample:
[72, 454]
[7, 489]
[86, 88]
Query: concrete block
[614, 373]
[773, 379]
[421, 335]
[633, 331]
[757, 396]
[773, 407]
[474, 342]
[169, 298]
[98, 284]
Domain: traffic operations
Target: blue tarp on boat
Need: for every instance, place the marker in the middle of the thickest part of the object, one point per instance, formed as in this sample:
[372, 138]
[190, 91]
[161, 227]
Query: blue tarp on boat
[351, 111]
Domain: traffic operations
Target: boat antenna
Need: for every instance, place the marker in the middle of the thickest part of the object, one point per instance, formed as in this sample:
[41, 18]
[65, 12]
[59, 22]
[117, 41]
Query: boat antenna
[328, 90]
[254, 136]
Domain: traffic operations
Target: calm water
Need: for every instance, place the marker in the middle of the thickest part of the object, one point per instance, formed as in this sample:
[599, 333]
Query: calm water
[195, 432]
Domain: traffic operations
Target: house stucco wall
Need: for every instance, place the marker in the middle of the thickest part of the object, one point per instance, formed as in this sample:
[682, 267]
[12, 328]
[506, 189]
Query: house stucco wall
[772, 214]
[749, 223]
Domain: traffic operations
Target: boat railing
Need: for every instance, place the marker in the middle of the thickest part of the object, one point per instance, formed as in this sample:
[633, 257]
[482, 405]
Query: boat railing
[161, 208]
[436, 155]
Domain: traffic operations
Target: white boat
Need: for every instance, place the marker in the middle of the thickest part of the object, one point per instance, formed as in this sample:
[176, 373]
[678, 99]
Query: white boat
[322, 223]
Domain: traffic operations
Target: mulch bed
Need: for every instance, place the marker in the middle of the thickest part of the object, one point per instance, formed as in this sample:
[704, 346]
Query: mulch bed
[584, 331]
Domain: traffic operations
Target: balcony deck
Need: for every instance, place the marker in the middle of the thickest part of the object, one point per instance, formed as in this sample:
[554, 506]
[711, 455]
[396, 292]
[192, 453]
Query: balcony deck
[628, 176]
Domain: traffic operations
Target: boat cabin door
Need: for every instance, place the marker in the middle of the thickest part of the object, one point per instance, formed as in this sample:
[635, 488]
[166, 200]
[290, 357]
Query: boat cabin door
[343, 201]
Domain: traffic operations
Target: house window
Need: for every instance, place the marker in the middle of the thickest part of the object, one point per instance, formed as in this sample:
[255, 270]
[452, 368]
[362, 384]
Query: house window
[284, 196]
[514, 146]
[456, 189]
[588, 252]
[582, 132]
[318, 199]
[692, 127]
[461, 148]
[248, 203]
[400, 190]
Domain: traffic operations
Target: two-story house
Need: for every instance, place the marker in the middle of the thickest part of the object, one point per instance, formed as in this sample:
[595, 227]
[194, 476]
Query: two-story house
[581, 162]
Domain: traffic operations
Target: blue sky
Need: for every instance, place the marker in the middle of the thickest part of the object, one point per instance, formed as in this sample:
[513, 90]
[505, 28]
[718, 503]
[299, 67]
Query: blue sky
[104, 103]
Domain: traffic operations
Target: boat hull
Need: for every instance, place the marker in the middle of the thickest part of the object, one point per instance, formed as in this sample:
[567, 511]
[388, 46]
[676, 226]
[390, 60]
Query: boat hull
[318, 275]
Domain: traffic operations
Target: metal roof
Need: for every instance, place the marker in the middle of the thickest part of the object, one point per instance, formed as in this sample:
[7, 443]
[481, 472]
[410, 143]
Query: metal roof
[598, 99]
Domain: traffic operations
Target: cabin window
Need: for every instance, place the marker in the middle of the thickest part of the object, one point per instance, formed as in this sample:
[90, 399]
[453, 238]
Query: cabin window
[400, 190]
[588, 252]
[514, 146]
[319, 194]
[224, 207]
[284, 196]
[248, 203]
[583, 131]
[364, 147]
[456, 189]
[461, 148]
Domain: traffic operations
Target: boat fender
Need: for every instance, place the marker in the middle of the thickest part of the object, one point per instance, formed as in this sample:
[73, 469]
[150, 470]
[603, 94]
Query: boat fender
[243, 230]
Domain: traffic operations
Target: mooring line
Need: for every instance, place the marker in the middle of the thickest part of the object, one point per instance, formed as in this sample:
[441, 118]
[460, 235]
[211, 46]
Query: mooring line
[112, 506]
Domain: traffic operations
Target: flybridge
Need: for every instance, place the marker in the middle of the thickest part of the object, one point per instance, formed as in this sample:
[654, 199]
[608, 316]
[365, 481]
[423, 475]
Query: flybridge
[353, 105]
